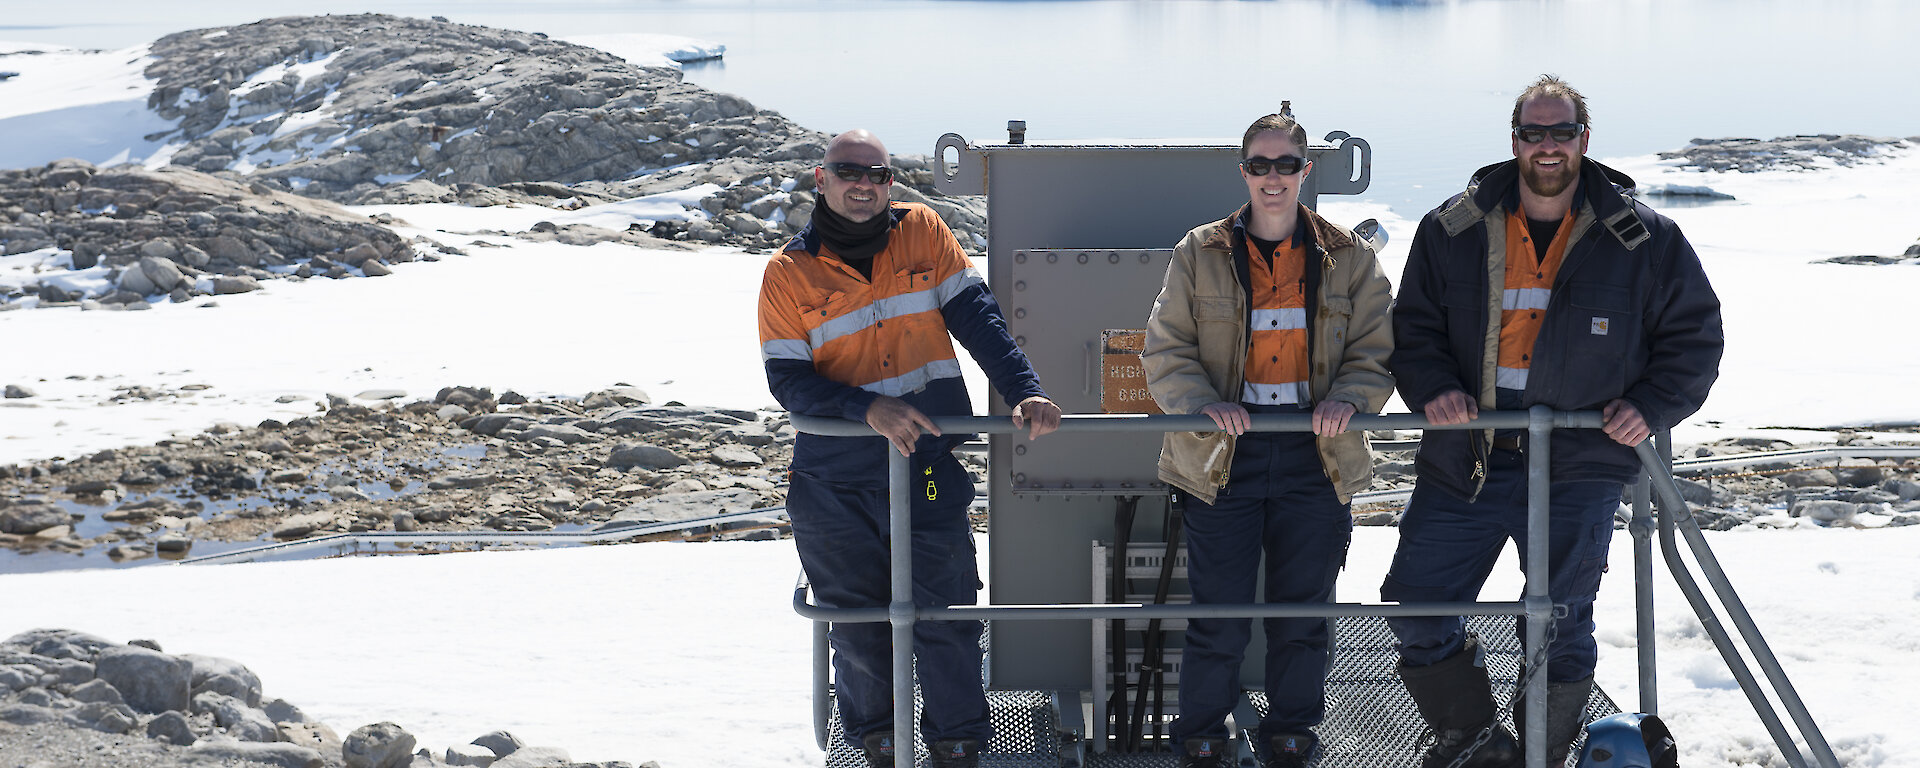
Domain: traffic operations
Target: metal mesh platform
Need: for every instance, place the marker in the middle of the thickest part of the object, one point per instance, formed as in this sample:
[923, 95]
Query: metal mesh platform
[1370, 720]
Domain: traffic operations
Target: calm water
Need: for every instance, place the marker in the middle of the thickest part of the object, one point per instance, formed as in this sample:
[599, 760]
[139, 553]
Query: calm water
[1430, 84]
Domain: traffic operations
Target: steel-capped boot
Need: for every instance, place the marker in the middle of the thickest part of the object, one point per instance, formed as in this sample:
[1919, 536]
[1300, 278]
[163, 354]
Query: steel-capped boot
[879, 749]
[1566, 715]
[1289, 750]
[1205, 752]
[1456, 698]
[956, 753]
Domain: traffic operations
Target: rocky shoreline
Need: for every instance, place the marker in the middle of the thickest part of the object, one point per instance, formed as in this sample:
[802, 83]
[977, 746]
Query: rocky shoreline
[74, 700]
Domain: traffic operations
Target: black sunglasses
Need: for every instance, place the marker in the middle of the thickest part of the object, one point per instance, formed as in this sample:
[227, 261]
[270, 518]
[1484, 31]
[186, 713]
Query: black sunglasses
[1562, 133]
[1287, 165]
[878, 174]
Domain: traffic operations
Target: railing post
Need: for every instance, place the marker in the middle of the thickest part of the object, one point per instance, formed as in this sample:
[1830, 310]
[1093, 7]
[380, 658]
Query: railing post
[1539, 603]
[900, 610]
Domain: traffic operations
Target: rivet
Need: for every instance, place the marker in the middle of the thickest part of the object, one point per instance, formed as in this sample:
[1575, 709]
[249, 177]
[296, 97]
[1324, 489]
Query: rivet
[1019, 477]
[1020, 340]
[1019, 450]
[1019, 285]
[1113, 257]
[1083, 258]
[1144, 258]
[1019, 312]
[1020, 258]
[1053, 258]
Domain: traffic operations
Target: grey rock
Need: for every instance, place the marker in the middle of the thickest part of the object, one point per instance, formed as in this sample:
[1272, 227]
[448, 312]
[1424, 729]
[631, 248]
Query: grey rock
[96, 690]
[452, 413]
[470, 754]
[150, 681]
[1859, 473]
[1826, 511]
[315, 736]
[736, 456]
[372, 268]
[14, 678]
[380, 745]
[404, 522]
[289, 477]
[1907, 490]
[282, 711]
[161, 274]
[348, 493]
[34, 696]
[240, 284]
[382, 394]
[561, 432]
[106, 716]
[23, 712]
[279, 755]
[462, 480]
[1809, 478]
[687, 506]
[492, 423]
[224, 676]
[535, 757]
[18, 392]
[300, 525]
[67, 671]
[173, 543]
[171, 727]
[61, 643]
[29, 519]
[240, 721]
[501, 743]
[644, 456]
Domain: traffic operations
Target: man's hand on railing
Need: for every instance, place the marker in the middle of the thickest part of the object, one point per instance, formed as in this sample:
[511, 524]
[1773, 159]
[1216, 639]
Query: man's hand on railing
[1038, 414]
[1624, 423]
[900, 423]
[1330, 417]
[1452, 407]
[1230, 417]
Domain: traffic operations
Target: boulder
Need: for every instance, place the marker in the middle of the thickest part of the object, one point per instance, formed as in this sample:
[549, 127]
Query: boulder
[736, 456]
[688, 506]
[561, 432]
[315, 736]
[644, 456]
[501, 743]
[1826, 511]
[29, 519]
[225, 676]
[171, 727]
[380, 745]
[96, 690]
[470, 754]
[238, 284]
[279, 755]
[17, 392]
[535, 757]
[150, 681]
[106, 716]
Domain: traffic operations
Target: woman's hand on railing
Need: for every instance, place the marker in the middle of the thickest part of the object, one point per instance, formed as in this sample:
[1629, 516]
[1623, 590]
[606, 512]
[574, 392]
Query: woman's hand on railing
[1230, 417]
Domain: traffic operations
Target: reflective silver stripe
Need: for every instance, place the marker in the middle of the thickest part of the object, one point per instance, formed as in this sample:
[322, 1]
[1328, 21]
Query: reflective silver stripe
[915, 380]
[1510, 378]
[1291, 393]
[864, 317]
[952, 286]
[1291, 319]
[1525, 298]
[785, 349]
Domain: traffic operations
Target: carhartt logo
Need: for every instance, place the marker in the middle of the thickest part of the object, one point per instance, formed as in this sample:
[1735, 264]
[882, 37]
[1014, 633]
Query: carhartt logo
[1599, 326]
[1206, 749]
[1292, 745]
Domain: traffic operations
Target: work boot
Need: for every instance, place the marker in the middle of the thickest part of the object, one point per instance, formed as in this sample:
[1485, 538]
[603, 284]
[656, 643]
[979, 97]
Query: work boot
[879, 748]
[956, 753]
[1566, 715]
[1456, 698]
[1205, 752]
[1289, 750]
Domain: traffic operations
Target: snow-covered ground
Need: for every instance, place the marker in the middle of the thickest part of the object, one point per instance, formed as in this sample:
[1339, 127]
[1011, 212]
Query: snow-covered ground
[690, 655]
[665, 651]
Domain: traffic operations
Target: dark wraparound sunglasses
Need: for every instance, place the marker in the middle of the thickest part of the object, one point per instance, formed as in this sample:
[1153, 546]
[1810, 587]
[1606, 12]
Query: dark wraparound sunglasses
[1562, 133]
[878, 174]
[1286, 166]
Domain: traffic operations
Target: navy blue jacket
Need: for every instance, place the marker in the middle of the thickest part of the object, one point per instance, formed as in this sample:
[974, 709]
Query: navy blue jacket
[1631, 316]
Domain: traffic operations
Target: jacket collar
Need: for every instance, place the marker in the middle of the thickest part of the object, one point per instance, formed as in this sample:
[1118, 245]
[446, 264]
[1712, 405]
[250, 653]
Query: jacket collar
[808, 238]
[1606, 190]
[1320, 233]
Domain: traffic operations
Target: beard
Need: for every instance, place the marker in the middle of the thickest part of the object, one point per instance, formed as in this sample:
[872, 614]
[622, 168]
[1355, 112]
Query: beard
[1550, 183]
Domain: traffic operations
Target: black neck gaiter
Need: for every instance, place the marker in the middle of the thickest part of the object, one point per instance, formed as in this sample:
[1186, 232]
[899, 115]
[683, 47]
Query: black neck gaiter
[854, 242]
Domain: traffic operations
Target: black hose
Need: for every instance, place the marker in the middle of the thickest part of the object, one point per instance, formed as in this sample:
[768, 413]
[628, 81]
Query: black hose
[1152, 659]
[1123, 513]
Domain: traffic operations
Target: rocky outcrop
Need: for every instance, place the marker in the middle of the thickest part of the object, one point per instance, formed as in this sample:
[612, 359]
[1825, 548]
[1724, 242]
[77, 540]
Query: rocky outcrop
[62, 691]
[1802, 153]
[342, 106]
[133, 235]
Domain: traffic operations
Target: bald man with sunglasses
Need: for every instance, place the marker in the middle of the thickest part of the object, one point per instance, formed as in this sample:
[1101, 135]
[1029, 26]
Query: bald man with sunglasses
[1275, 310]
[1544, 283]
[857, 318]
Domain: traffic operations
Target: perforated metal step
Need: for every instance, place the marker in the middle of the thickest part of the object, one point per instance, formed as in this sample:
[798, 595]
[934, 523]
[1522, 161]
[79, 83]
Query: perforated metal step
[1370, 720]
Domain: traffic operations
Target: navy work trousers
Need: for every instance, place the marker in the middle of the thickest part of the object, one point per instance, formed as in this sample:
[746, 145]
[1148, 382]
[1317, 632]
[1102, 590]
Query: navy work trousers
[1277, 501]
[1448, 547]
[842, 535]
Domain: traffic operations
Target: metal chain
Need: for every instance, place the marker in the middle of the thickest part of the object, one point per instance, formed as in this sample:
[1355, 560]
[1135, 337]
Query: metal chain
[1534, 666]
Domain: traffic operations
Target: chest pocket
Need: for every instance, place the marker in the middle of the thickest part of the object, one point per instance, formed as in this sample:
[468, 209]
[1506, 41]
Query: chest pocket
[1337, 312]
[1215, 310]
[909, 281]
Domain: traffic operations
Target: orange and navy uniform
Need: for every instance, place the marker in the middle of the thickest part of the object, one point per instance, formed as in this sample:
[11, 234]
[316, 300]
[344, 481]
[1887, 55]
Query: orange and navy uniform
[834, 340]
[1276, 369]
[1528, 291]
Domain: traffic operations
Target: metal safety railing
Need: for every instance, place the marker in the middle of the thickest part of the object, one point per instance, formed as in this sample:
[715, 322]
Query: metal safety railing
[1536, 606]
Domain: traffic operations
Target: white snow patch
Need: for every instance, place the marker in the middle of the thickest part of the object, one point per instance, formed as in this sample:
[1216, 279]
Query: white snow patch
[651, 50]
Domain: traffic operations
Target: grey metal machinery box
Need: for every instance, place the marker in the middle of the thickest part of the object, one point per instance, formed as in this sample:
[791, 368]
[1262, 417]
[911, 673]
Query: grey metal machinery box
[1080, 236]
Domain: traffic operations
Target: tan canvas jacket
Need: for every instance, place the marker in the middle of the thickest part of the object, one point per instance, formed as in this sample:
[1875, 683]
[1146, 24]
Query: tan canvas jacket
[1196, 349]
